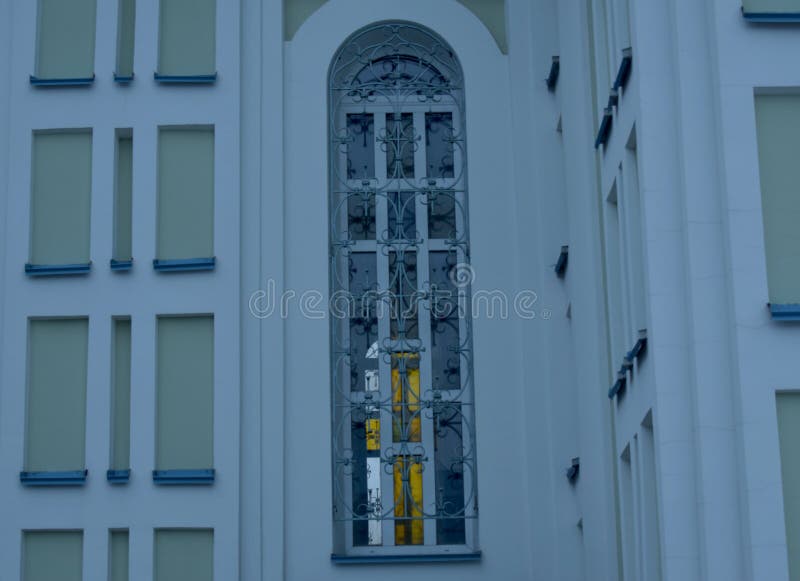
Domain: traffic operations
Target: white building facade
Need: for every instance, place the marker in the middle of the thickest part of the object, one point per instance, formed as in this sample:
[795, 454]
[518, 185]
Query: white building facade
[606, 189]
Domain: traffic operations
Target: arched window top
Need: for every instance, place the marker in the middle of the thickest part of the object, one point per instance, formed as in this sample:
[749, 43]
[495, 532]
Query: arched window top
[401, 336]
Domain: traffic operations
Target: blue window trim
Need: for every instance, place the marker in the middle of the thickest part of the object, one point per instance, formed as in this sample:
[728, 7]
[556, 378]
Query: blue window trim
[619, 386]
[785, 312]
[118, 476]
[555, 70]
[380, 559]
[123, 79]
[186, 79]
[174, 477]
[561, 264]
[605, 128]
[57, 269]
[638, 349]
[184, 264]
[772, 17]
[625, 69]
[74, 82]
[121, 265]
[66, 478]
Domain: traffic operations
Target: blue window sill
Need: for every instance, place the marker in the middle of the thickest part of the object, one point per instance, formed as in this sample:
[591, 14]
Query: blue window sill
[76, 82]
[123, 79]
[118, 476]
[555, 70]
[638, 349]
[184, 264]
[175, 477]
[618, 389]
[625, 68]
[605, 129]
[186, 79]
[772, 17]
[57, 269]
[70, 478]
[561, 264]
[379, 559]
[121, 265]
[785, 312]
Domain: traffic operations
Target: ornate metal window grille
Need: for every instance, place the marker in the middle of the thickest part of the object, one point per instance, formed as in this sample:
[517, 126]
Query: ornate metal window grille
[403, 408]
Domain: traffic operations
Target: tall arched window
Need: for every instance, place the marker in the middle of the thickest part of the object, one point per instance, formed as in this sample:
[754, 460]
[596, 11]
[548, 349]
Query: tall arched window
[403, 412]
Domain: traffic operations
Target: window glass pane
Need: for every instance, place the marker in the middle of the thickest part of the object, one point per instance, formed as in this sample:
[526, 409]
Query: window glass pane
[185, 193]
[56, 423]
[187, 33]
[778, 125]
[445, 322]
[123, 200]
[439, 144]
[360, 146]
[185, 393]
[61, 197]
[789, 438]
[771, 5]
[402, 216]
[118, 556]
[125, 37]
[363, 321]
[400, 143]
[121, 396]
[450, 468]
[409, 528]
[442, 208]
[52, 556]
[404, 296]
[361, 215]
[184, 555]
[66, 39]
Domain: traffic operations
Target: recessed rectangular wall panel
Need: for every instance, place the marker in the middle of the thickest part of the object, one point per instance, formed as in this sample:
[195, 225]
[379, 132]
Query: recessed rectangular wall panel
[121, 395]
[65, 39]
[187, 38]
[778, 125]
[185, 393]
[789, 437]
[184, 555]
[118, 555]
[126, 31]
[52, 556]
[771, 6]
[56, 407]
[185, 193]
[61, 197]
[123, 197]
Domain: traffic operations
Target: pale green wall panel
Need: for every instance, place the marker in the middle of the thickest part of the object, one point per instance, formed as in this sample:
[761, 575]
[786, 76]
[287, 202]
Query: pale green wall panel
[771, 5]
[185, 193]
[778, 123]
[126, 29]
[185, 393]
[61, 197]
[296, 12]
[184, 555]
[56, 418]
[66, 34]
[123, 243]
[52, 556]
[121, 396]
[789, 437]
[118, 556]
[187, 32]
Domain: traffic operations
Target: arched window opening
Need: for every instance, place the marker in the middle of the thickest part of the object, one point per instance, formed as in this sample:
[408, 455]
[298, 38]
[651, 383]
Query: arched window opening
[401, 335]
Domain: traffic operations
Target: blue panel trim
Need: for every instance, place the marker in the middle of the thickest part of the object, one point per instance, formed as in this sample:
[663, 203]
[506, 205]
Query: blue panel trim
[123, 79]
[76, 82]
[638, 349]
[785, 312]
[555, 70]
[378, 559]
[186, 79]
[625, 68]
[69, 478]
[184, 264]
[184, 476]
[619, 386]
[118, 476]
[605, 129]
[561, 263]
[57, 269]
[121, 264]
[773, 17]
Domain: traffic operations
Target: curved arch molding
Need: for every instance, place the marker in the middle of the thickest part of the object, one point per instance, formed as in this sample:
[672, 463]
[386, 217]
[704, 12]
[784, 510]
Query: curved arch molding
[491, 12]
